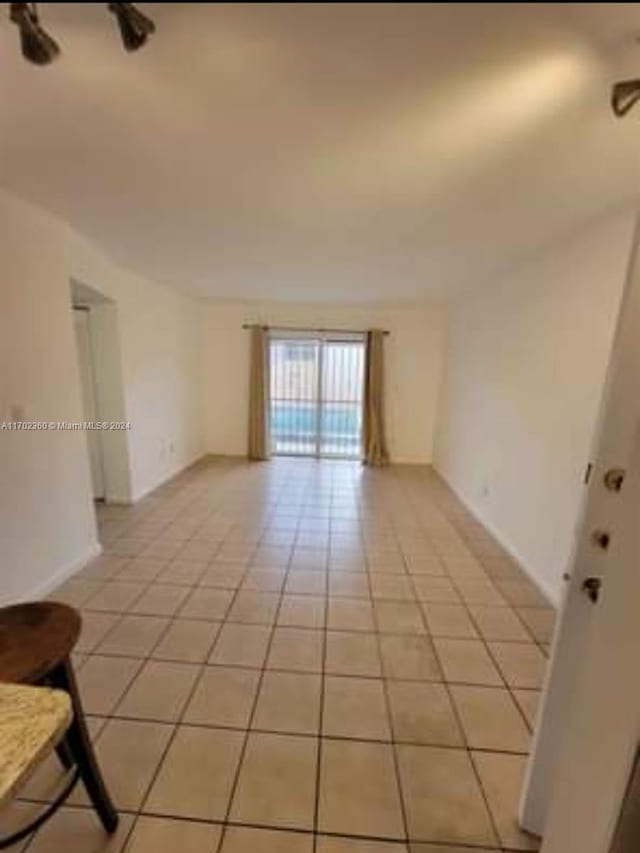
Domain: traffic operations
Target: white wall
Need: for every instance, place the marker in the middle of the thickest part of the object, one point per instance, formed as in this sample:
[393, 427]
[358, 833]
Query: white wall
[159, 348]
[46, 518]
[414, 353]
[47, 526]
[525, 365]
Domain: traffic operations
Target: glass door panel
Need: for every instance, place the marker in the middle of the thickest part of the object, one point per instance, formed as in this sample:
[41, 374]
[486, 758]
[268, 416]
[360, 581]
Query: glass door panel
[316, 396]
[342, 373]
[294, 396]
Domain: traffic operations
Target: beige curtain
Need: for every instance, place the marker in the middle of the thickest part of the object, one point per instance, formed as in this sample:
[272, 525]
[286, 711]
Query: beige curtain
[375, 445]
[259, 395]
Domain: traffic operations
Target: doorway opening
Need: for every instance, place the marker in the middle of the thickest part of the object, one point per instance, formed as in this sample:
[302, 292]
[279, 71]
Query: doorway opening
[95, 323]
[89, 391]
[316, 394]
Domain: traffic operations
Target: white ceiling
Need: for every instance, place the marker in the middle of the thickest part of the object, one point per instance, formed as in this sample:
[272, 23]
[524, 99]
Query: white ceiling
[349, 152]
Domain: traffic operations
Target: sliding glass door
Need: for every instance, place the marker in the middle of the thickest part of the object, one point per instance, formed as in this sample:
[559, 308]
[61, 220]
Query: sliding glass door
[316, 394]
[341, 397]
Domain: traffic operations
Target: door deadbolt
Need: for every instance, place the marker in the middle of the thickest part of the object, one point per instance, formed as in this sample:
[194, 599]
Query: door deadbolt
[613, 479]
[592, 587]
[601, 538]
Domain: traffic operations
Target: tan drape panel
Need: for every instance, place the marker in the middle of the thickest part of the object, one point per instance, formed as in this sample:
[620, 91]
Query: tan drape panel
[259, 395]
[375, 445]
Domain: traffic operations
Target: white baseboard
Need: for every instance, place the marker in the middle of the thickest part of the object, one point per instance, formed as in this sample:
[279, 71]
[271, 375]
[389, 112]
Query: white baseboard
[552, 595]
[64, 574]
[402, 460]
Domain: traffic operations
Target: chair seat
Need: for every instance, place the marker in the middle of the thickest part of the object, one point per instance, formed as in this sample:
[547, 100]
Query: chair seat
[32, 722]
[34, 639]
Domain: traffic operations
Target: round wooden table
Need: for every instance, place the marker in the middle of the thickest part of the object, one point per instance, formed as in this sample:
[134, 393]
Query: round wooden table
[36, 641]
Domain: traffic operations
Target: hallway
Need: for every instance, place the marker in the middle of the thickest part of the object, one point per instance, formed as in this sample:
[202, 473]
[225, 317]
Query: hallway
[301, 656]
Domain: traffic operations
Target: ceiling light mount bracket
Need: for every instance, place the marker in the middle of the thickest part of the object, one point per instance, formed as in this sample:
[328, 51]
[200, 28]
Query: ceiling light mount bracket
[135, 28]
[37, 45]
[624, 96]
[39, 48]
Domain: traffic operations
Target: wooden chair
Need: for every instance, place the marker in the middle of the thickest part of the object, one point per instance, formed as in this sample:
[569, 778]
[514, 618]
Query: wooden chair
[36, 641]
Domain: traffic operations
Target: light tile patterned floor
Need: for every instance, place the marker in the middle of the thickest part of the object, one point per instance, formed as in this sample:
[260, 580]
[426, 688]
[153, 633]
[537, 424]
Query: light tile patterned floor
[303, 656]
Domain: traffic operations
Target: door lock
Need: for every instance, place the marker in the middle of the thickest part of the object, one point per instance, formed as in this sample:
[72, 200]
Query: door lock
[592, 587]
[613, 479]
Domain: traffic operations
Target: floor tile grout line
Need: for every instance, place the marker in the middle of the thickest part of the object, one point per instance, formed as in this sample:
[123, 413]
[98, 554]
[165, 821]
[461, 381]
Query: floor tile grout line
[476, 773]
[319, 751]
[283, 669]
[394, 752]
[292, 830]
[248, 729]
[485, 797]
[482, 639]
[178, 616]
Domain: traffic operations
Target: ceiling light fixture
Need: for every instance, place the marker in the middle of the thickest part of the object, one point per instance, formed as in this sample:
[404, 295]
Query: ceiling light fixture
[39, 48]
[624, 96]
[135, 28]
[37, 45]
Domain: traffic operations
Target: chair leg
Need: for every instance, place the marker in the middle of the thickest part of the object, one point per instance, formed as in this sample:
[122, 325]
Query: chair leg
[64, 754]
[79, 748]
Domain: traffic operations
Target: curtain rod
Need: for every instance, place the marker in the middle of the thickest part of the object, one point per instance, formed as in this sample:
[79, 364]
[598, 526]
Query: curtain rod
[322, 331]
